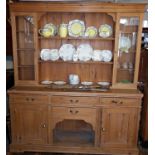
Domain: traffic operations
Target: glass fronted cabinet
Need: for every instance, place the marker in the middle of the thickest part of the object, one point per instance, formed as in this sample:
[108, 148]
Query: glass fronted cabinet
[127, 55]
[24, 48]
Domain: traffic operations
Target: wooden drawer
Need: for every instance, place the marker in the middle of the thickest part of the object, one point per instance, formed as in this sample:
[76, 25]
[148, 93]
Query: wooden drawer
[73, 112]
[74, 100]
[119, 101]
[28, 98]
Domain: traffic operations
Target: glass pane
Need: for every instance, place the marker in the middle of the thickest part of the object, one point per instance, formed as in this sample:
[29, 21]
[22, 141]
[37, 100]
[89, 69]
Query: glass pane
[127, 49]
[25, 47]
[24, 25]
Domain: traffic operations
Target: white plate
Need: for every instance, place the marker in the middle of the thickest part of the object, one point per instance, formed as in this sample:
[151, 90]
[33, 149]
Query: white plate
[103, 83]
[46, 82]
[97, 55]
[45, 54]
[91, 32]
[105, 31]
[87, 83]
[54, 54]
[76, 28]
[106, 55]
[66, 52]
[59, 82]
[124, 44]
[85, 52]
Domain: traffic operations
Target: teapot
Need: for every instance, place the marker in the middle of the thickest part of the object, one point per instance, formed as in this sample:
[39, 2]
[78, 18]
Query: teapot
[45, 32]
[74, 79]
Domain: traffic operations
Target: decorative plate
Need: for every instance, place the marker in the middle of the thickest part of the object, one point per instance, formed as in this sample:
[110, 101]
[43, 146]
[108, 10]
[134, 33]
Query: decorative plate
[46, 82]
[105, 31]
[45, 54]
[59, 82]
[51, 27]
[106, 55]
[87, 83]
[124, 44]
[85, 52]
[66, 52]
[97, 55]
[76, 28]
[91, 32]
[54, 54]
[103, 83]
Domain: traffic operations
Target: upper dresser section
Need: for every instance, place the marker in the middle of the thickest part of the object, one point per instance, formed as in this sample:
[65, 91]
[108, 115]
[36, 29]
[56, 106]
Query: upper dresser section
[92, 42]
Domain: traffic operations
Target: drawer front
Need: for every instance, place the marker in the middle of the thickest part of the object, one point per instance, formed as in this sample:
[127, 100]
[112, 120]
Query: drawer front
[28, 98]
[74, 100]
[73, 112]
[119, 101]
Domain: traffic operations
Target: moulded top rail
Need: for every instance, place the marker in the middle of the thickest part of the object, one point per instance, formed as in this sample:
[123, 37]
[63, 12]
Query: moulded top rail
[77, 7]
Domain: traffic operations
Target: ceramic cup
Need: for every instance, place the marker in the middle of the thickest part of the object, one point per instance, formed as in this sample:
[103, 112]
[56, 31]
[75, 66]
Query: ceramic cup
[74, 79]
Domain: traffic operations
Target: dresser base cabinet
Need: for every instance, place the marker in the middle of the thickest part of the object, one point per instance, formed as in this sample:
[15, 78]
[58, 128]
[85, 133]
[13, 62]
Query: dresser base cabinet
[79, 122]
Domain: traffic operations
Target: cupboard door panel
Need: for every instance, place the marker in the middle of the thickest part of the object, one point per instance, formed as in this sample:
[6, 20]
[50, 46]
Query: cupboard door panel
[29, 124]
[119, 127]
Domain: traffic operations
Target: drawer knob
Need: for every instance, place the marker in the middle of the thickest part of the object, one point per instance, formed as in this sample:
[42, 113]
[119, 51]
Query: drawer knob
[115, 102]
[27, 99]
[74, 112]
[121, 102]
[76, 101]
[32, 99]
[71, 101]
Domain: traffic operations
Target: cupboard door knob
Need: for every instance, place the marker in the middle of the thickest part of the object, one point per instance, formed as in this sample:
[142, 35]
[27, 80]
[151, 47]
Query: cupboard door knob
[27, 99]
[43, 125]
[103, 129]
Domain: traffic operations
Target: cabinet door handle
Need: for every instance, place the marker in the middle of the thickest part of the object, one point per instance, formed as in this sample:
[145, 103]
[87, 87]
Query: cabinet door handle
[43, 125]
[103, 129]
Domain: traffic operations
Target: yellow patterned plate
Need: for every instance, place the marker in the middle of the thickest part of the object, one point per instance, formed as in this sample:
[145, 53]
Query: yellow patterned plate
[76, 28]
[105, 31]
[91, 32]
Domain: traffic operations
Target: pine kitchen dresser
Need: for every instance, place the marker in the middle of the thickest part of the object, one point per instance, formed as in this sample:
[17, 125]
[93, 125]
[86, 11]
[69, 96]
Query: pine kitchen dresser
[65, 118]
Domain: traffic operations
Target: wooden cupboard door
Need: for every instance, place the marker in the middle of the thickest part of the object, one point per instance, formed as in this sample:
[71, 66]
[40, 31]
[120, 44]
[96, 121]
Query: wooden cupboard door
[119, 127]
[29, 123]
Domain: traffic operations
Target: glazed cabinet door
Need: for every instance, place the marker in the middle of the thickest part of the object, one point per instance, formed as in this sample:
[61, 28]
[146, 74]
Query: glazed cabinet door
[119, 127]
[29, 123]
[129, 28]
[24, 48]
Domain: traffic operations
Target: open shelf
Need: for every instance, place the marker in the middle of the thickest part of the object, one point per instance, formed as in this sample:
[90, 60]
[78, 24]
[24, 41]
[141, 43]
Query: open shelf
[25, 49]
[25, 66]
[73, 133]
[78, 38]
[77, 62]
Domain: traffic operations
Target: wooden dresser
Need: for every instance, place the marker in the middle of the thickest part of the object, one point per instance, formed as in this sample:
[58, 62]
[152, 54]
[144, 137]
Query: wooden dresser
[69, 119]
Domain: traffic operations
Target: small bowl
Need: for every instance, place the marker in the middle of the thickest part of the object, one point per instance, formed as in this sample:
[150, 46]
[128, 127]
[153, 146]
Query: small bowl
[104, 84]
